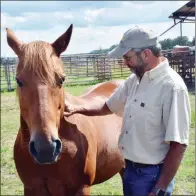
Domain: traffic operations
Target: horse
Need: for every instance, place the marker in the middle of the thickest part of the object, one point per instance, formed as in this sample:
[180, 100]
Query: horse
[57, 155]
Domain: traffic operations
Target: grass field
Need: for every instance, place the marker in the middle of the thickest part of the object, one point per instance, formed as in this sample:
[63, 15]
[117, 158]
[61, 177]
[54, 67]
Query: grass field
[11, 185]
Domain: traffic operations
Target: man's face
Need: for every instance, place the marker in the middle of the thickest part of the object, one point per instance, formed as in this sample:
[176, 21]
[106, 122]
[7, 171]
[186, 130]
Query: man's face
[135, 62]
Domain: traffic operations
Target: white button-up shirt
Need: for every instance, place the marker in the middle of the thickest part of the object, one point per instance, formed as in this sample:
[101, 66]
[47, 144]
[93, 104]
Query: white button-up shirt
[156, 110]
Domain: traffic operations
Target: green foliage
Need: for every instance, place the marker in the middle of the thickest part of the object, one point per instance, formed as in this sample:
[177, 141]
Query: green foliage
[166, 44]
[170, 43]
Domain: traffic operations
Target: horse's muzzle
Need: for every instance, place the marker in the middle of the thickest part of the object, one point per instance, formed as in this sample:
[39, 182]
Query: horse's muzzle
[45, 152]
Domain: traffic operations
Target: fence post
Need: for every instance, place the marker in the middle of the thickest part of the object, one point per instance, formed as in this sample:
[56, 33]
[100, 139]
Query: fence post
[70, 65]
[121, 69]
[7, 75]
[87, 66]
[105, 74]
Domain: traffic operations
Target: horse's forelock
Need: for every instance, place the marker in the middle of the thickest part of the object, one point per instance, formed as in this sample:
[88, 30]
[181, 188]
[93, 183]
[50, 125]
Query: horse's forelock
[40, 59]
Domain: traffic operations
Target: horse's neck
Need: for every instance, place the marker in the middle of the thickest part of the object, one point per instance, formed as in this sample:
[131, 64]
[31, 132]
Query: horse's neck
[71, 99]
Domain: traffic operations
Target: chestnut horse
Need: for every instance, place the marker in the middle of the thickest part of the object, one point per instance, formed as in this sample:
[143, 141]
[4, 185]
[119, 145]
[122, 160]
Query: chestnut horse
[56, 155]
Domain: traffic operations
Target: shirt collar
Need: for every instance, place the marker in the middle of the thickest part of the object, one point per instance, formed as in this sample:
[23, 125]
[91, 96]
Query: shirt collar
[160, 68]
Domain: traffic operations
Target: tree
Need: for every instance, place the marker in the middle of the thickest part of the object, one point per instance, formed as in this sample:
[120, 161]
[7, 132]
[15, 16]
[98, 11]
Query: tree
[182, 41]
[170, 43]
[166, 44]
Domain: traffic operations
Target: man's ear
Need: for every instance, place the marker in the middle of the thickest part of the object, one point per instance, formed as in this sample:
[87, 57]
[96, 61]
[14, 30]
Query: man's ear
[146, 53]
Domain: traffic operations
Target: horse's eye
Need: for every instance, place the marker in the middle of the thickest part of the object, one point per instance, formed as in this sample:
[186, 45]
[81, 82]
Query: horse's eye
[62, 79]
[19, 82]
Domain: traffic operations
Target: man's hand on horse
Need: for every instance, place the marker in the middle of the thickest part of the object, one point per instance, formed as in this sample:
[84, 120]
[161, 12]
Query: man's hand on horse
[69, 109]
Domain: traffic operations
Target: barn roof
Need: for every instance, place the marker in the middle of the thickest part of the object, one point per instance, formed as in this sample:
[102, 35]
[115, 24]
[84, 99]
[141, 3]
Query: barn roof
[186, 12]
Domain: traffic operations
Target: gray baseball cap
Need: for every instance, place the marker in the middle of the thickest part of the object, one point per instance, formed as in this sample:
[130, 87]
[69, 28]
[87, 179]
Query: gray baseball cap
[135, 38]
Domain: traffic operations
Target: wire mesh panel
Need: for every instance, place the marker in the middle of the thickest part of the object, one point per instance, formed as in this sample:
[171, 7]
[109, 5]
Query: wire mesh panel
[185, 66]
[85, 69]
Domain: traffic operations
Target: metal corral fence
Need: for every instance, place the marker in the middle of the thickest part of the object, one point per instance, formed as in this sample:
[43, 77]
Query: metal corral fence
[89, 69]
[184, 64]
[79, 69]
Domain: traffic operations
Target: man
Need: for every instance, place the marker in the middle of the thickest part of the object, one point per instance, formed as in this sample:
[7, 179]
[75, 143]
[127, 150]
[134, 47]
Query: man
[156, 117]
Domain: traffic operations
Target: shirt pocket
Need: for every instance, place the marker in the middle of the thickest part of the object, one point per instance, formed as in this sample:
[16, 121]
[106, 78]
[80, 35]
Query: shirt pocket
[153, 123]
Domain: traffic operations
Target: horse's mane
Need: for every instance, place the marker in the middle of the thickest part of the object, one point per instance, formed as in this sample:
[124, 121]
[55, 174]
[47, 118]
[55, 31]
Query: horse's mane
[39, 58]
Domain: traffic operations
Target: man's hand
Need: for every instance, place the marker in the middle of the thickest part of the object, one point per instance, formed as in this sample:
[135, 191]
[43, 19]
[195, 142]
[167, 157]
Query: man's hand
[69, 109]
[67, 114]
[94, 109]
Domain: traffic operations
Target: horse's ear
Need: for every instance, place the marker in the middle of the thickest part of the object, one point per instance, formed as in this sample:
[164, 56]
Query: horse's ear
[13, 41]
[62, 42]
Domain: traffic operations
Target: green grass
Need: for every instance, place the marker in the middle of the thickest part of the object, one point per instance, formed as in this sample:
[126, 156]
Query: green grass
[11, 185]
[192, 100]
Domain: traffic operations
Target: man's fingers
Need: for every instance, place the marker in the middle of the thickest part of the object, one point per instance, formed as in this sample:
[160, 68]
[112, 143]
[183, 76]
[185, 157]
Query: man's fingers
[67, 113]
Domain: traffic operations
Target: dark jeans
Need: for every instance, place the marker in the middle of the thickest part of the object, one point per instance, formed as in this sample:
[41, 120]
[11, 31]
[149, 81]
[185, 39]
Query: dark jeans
[140, 181]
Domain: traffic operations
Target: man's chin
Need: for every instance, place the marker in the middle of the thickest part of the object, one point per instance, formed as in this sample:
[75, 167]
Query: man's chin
[136, 72]
[132, 69]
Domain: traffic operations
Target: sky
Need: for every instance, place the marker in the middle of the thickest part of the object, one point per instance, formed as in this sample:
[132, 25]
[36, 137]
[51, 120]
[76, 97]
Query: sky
[96, 24]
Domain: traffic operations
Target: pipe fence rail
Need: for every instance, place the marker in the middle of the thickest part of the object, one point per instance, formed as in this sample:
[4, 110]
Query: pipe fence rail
[90, 69]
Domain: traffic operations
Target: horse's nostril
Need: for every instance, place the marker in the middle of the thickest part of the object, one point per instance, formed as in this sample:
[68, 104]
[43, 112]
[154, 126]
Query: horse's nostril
[58, 147]
[32, 148]
[45, 151]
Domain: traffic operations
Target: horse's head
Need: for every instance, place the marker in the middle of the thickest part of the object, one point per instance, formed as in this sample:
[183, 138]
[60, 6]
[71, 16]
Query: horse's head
[40, 75]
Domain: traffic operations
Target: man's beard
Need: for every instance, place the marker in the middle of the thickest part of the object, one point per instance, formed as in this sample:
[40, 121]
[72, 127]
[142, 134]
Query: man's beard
[140, 68]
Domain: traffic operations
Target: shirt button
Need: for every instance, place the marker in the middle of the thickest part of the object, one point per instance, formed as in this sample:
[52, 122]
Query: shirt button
[130, 116]
[126, 132]
[122, 147]
[135, 100]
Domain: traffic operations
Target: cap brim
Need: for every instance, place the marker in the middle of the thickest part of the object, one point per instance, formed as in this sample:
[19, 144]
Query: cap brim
[118, 52]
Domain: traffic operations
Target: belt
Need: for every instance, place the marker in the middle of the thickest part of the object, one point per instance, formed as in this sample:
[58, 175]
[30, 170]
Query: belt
[138, 165]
